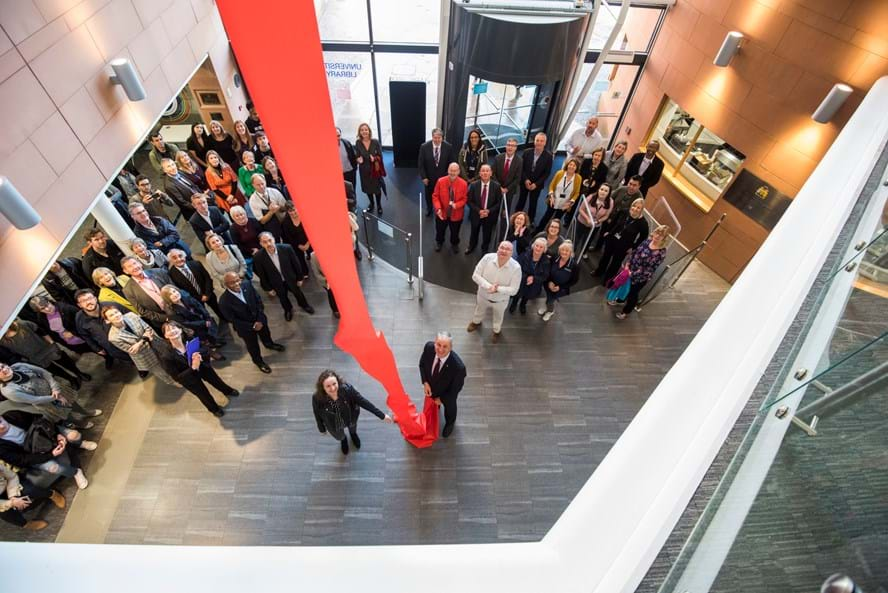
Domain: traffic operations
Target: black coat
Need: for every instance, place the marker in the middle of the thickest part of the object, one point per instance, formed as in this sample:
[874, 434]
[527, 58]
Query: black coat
[651, 176]
[203, 278]
[326, 419]
[539, 270]
[450, 379]
[74, 268]
[426, 162]
[538, 174]
[16, 455]
[291, 269]
[494, 200]
[563, 277]
[94, 331]
[181, 190]
[164, 233]
[93, 260]
[192, 314]
[243, 315]
[220, 224]
[522, 242]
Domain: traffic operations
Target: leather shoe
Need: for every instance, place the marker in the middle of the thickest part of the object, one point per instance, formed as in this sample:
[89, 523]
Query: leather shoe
[469, 250]
[438, 246]
[275, 346]
[309, 309]
[232, 393]
[57, 499]
[455, 249]
[428, 213]
[472, 326]
[356, 440]
[264, 368]
[288, 315]
[448, 430]
[496, 337]
[358, 255]
[343, 444]
[219, 413]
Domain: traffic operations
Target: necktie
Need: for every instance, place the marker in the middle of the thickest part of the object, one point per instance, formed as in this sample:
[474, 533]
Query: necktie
[187, 271]
[437, 156]
[506, 168]
[484, 196]
[436, 368]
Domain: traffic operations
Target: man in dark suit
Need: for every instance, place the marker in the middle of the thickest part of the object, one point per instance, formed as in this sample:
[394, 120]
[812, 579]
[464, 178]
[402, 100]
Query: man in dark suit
[347, 158]
[646, 164]
[64, 278]
[485, 203]
[143, 290]
[243, 307]
[193, 277]
[536, 164]
[178, 187]
[507, 171]
[158, 233]
[443, 374]
[208, 220]
[280, 272]
[433, 160]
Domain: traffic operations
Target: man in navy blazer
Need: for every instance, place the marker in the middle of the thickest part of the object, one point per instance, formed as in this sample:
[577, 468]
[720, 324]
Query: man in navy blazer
[443, 374]
[485, 203]
[208, 219]
[243, 308]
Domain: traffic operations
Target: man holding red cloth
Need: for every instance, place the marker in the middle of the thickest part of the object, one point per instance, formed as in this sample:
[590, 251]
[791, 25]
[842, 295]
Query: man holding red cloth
[449, 201]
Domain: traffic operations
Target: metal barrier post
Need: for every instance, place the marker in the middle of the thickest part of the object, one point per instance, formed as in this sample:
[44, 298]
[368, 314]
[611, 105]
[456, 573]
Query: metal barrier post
[367, 235]
[409, 260]
[419, 271]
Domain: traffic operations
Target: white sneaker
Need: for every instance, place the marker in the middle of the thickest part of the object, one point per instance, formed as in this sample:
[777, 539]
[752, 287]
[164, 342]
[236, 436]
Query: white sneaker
[88, 445]
[94, 413]
[548, 315]
[81, 480]
[541, 311]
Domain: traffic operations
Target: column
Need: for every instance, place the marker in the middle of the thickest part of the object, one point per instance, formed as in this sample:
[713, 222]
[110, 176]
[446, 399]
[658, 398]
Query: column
[113, 224]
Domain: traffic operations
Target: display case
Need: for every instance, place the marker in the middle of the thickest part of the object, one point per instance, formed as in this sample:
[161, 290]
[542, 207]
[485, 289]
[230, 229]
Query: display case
[697, 161]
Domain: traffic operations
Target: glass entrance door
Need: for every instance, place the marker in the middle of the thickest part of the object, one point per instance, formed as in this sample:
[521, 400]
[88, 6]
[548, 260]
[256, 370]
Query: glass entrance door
[500, 111]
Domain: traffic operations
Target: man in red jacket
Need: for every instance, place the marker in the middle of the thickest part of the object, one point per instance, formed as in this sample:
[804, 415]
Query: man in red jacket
[449, 201]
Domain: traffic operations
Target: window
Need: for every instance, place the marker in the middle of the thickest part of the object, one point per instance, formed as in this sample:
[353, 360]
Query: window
[701, 163]
[350, 81]
[343, 20]
[416, 21]
[638, 30]
[397, 66]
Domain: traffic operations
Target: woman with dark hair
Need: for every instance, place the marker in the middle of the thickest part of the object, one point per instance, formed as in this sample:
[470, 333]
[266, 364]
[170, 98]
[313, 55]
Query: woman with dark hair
[336, 407]
[58, 321]
[23, 339]
[471, 156]
[293, 234]
[191, 170]
[368, 150]
[519, 233]
[592, 211]
[274, 178]
[223, 143]
[552, 235]
[594, 172]
[192, 315]
[197, 143]
[222, 180]
[191, 374]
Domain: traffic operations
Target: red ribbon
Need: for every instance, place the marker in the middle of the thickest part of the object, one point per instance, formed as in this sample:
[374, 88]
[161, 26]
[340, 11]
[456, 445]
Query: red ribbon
[284, 69]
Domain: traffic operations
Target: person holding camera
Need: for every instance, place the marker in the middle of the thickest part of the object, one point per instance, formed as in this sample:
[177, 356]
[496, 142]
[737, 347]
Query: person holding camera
[154, 200]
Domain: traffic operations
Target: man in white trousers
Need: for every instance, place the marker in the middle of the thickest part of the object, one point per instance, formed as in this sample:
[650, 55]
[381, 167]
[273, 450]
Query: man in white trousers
[498, 277]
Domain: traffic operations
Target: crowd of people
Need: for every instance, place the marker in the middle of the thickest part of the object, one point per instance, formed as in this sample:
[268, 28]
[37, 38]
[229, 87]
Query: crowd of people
[167, 313]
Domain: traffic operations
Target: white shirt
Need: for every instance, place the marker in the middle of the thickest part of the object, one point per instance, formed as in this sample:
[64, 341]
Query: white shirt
[343, 158]
[239, 294]
[258, 202]
[275, 258]
[645, 163]
[587, 144]
[488, 272]
[441, 362]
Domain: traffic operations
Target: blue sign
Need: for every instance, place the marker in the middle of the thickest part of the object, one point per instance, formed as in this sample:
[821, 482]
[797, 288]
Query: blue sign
[479, 88]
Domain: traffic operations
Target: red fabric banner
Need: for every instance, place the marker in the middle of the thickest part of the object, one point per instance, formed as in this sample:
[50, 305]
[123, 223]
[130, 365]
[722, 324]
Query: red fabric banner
[283, 66]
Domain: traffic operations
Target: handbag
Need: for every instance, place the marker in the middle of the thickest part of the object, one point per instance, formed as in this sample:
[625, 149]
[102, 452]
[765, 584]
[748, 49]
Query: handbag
[620, 279]
[41, 436]
[377, 168]
[620, 293]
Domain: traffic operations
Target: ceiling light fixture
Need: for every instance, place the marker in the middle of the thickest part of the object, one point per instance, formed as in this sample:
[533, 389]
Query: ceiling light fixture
[729, 48]
[833, 101]
[15, 207]
[125, 75]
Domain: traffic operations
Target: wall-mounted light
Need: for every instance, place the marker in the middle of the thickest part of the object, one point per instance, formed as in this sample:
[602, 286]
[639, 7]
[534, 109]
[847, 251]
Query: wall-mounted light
[729, 48]
[833, 101]
[125, 75]
[15, 207]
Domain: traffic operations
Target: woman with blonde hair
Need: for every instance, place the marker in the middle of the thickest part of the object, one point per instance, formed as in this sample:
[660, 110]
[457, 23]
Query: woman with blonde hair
[643, 264]
[242, 138]
[222, 258]
[621, 239]
[563, 273]
[616, 163]
[563, 193]
[368, 151]
[191, 170]
[111, 288]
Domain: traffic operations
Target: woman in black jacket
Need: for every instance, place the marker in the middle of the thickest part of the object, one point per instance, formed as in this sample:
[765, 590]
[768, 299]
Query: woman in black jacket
[58, 321]
[534, 273]
[563, 273]
[621, 239]
[192, 314]
[191, 374]
[337, 405]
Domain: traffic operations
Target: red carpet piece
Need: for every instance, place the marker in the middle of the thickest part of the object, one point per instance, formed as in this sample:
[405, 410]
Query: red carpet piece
[284, 70]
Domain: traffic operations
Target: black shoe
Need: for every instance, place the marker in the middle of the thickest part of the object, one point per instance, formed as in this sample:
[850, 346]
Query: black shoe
[469, 250]
[309, 309]
[455, 248]
[523, 309]
[358, 255]
[143, 374]
[219, 413]
[343, 444]
[448, 430]
[356, 440]
[428, 213]
[75, 383]
[85, 377]
[276, 346]
[336, 314]
[109, 363]
[232, 393]
[511, 309]
[438, 246]
[288, 315]
[379, 210]
[264, 368]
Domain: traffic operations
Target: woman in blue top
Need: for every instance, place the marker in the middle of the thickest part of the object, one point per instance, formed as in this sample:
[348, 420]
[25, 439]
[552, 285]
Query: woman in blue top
[534, 273]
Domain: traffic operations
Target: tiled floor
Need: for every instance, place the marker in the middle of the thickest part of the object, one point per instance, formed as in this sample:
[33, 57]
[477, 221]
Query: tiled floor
[538, 413]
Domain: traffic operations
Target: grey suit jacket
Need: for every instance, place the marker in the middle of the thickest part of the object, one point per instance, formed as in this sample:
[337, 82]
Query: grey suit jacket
[511, 181]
